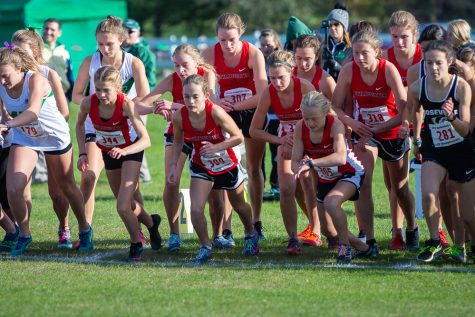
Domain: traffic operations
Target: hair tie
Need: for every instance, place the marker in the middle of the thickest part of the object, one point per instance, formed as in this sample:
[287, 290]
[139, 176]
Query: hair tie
[32, 28]
[9, 46]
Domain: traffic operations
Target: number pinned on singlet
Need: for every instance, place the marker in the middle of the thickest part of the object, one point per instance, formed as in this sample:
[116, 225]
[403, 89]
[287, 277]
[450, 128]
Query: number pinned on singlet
[110, 139]
[375, 116]
[443, 134]
[237, 95]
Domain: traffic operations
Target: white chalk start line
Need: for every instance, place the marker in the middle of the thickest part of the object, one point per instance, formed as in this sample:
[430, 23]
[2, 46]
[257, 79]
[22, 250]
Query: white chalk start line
[102, 258]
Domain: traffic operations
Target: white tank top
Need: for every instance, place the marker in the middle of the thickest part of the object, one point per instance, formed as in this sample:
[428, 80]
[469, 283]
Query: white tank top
[126, 73]
[50, 132]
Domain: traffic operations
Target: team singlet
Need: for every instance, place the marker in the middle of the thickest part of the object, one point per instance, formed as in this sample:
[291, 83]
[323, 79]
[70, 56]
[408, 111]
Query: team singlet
[374, 104]
[403, 72]
[316, 78]
[177, 95]
[237, 83]
[218, 163]
[325, 148]
[113, 132]
[288, 116]
[438, 132]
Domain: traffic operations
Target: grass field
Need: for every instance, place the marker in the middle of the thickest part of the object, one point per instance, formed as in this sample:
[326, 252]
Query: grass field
[51, 282]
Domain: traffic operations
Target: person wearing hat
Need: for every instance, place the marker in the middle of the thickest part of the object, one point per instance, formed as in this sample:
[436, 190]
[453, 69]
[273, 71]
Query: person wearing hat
[138, 46]
[338, 47]
[295, 28]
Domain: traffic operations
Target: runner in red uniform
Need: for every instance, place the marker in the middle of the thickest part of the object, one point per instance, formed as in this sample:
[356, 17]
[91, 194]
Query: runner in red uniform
[187, 61]
[307, 58]
[122, 149]
[241, 77]
[284, 96]
[379, 97]
[213, 164]
[319, 145]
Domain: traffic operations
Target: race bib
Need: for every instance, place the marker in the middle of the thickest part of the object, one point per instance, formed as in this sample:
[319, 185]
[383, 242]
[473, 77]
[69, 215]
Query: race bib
[328, 173]
[375, 116]
[238, 94]
[33, 129]
[443, 134]
[218, 162]
[286, 127]
[110, 139]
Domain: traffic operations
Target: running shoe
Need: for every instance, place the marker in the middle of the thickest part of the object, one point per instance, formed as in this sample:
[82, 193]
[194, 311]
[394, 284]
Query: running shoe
[221, 243]
[412, 239]
[9, 241]
[22, 244]
[251, 244]
[455, 253]
[332, 243]
[373, 248]
[293, 247]
[85, 241]
[228, 235]
[345, 254]
[430, 251]
[260, 230]
[397, 242]
[272, 195]
[443, 238]
[305, 233]
[155, 238]
[204, 254]
[135, 252]
[174, 243]
[64, 238]
[313, 239]
[362, 236]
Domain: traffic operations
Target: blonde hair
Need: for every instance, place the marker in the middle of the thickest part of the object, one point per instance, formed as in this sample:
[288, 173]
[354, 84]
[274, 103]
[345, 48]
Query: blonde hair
[281, 58]
[368, 37]
[108, 74]
[197, 80]
[113, 25]
[195, 54]
[404, 20]
[32, 39]
[310, 41]
[459, 30]
[316, 100]
[230, 21]
[18, 58]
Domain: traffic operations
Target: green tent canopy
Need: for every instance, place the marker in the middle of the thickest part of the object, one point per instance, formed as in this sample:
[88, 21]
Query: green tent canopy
[79, 20]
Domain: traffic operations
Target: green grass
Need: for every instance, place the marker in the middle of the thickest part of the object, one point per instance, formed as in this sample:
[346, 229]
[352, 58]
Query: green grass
[271, 284]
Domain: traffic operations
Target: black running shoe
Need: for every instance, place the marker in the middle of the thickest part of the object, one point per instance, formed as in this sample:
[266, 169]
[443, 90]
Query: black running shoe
[373, 248]
[260, 230]
[345, 254]
[412, 239]
[155, 238]
[430, 251]
[136, 252]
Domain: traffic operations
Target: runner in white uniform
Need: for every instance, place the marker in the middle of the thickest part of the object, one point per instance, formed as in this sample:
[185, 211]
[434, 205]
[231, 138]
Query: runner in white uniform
[36, 125]
[109, 36]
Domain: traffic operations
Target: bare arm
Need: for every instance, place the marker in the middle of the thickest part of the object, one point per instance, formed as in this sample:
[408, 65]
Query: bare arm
[461, 123]
[227, 124]
[338, 157]
[256, 130]
[327, 85]
[257, 64]
[143, 141]
[81, 81]
[163, 86]
[297, 149]
[140, 78]
[81, 133]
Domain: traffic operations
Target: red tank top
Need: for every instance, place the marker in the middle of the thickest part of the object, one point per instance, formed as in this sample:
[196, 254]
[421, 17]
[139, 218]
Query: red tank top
[236, 83]
[325, 148]
[177, 94]
[374, 104]
[219, 162]
[316, 78]
[403, 72]
[113, 132]
[287, 116]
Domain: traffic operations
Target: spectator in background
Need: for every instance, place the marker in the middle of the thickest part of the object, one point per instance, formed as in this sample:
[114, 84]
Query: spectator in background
[138, 47]
[337, 44]
[295, 28]
[56, 55]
